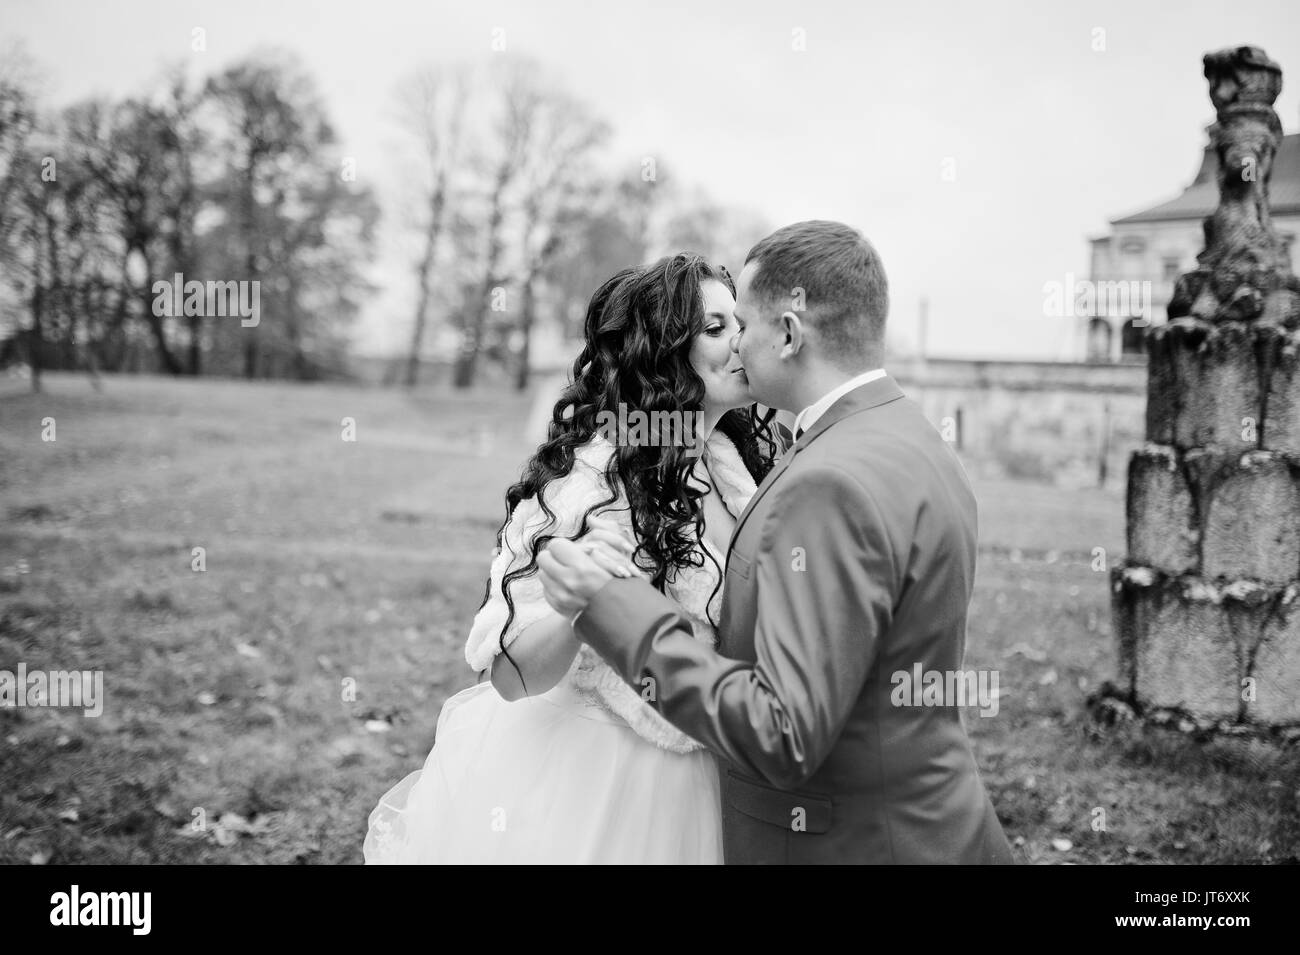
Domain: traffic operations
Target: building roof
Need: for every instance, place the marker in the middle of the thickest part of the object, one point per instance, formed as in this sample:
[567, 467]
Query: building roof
[1202, 197]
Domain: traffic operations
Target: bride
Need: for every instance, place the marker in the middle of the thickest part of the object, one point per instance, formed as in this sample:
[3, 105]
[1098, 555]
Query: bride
[555, 759]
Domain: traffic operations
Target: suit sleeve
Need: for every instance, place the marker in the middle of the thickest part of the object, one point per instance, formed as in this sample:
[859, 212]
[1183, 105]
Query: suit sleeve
[827, 577]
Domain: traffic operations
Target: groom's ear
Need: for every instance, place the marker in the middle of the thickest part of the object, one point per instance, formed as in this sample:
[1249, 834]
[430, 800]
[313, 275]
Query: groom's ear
[792, 331]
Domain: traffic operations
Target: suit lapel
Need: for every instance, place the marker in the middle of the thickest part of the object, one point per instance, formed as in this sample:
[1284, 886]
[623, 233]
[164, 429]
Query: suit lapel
[871, 395]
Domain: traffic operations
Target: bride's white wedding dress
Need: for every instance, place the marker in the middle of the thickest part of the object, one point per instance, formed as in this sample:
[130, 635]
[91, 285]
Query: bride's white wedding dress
[587, 772]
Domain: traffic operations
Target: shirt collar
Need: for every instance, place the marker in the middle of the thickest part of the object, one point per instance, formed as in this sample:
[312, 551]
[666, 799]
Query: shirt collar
[808, 417]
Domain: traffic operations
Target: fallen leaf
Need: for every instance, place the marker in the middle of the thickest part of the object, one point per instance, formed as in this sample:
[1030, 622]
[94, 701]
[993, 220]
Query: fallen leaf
[1062, 845]
[233, 821]
[1026, 651]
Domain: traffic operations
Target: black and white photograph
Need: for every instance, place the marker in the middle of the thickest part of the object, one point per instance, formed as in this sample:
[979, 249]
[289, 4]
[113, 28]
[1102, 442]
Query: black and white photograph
[713, 433]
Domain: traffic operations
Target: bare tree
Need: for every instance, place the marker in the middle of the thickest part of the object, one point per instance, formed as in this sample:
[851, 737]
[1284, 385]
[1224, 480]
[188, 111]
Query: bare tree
[433, 104]
[125, 147]
[183, 140]
[275, 122]
[557, 192]
[514, 137]
[17, 121]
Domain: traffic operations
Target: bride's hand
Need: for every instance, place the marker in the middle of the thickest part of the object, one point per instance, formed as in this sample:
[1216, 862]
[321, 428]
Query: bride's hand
[609, 547]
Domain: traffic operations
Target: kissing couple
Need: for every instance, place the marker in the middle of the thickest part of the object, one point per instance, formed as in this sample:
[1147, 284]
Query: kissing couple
[687, 657]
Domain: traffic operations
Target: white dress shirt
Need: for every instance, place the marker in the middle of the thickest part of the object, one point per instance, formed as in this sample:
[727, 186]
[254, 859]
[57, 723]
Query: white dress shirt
[809, 415]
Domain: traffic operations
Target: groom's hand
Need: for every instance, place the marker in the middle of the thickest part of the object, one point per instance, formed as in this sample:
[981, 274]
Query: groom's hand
[571, 576]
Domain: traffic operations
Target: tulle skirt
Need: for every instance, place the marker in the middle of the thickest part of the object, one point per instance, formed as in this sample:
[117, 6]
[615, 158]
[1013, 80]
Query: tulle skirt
[549, 779]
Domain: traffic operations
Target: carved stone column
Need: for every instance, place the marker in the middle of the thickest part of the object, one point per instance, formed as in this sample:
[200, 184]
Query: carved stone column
[1206, 607]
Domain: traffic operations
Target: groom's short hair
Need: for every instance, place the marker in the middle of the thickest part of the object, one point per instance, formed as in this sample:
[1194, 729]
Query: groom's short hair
[845, 292]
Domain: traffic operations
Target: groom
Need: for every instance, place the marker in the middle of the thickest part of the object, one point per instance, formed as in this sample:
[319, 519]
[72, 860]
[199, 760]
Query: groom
[853, 562]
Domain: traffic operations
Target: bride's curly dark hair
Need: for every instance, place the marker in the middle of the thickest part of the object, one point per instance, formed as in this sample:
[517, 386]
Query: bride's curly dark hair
[640, 326]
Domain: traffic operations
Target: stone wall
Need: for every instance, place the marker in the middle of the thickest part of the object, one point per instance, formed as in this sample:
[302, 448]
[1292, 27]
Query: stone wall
[1048, 421]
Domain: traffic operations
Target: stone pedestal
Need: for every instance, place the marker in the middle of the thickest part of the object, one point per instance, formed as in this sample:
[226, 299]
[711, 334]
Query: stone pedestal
[1206, 608]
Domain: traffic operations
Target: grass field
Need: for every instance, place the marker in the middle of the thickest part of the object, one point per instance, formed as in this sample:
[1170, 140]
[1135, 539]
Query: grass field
[335, 564]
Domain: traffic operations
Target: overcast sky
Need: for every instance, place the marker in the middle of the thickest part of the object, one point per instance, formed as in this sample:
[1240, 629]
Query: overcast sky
[1049, 138]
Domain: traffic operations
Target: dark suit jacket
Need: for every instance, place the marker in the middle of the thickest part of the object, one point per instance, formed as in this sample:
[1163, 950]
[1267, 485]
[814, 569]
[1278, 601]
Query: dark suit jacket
[854, 560]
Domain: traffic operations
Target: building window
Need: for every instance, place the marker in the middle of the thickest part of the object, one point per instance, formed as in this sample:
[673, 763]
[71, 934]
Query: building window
[1132, 339]
[1132, 245]
[1171, 268]
[1099, 340]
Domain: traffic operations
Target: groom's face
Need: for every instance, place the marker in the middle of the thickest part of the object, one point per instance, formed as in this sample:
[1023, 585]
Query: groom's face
[759, 342]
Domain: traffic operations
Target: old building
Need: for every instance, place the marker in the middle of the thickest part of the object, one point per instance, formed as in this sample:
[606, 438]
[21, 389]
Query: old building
[1134, 267]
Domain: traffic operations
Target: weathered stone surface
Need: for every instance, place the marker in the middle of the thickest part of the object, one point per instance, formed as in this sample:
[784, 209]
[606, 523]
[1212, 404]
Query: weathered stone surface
[1188, 658]
[1280, 354]
[1162, 527]
[1282, 307]
[1251, 523]
[1130, 616]
[1203, 386]
[1223, 405]
[1244, 260]
[1187, 643]
[1163, 396]
[1276, 667]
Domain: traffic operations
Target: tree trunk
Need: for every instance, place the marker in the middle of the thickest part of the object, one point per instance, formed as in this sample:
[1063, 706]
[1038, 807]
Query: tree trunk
[249, 201]
[525, 327]
[155, 322]
[528, 307]
[436, 206]
[470, 347]
[35, 335]
[196, 349]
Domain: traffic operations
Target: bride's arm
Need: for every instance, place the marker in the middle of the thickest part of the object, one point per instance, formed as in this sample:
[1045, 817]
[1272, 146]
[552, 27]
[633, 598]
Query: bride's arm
[543, 652]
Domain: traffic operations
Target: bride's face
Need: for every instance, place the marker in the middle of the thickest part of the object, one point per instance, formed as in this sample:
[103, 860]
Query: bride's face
[725, 385]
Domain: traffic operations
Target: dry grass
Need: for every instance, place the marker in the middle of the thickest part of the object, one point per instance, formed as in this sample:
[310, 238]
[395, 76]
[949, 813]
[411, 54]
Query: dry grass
[330, 561]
